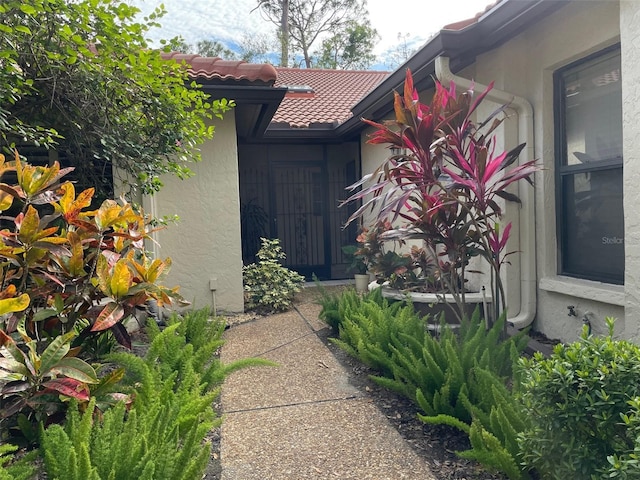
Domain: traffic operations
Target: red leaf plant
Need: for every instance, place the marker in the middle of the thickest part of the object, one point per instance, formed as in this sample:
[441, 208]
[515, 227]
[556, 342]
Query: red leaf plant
[447, 185]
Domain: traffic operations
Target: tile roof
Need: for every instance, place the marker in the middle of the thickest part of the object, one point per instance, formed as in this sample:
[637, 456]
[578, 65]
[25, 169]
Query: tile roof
[334, 93]
[461, 24]
[214, 68]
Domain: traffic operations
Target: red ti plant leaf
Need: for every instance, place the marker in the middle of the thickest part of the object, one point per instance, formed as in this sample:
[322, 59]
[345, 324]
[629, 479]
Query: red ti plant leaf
[68, 387]
[109, 316]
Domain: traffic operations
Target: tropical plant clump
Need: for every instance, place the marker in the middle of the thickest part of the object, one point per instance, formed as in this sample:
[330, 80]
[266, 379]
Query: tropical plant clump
[447, 186]
[268, 285]
[414, 270]
[583, 402]
[356, 260]
[67, 273]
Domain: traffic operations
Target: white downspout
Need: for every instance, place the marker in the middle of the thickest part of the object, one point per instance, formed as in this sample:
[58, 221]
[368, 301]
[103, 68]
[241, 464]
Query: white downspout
[526, 218]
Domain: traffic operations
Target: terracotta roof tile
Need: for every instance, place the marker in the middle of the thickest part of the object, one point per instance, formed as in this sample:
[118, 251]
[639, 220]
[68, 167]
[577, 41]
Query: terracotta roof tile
[334, 93]
[214, 68]
[470, 21]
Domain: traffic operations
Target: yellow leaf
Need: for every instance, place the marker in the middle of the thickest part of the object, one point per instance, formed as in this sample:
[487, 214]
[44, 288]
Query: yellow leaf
[6, 200]
[17, 304]
[76, 262]
[64, 204]
[121, 279]
[29, 225]
[102, 270]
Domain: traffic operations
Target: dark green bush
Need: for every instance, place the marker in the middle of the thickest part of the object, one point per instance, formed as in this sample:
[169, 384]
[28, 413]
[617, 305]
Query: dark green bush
[582, 403]
[626, 465]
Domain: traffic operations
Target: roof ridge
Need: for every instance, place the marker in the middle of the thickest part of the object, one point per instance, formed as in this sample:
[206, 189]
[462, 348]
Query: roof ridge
[217, 68]
[332, 70]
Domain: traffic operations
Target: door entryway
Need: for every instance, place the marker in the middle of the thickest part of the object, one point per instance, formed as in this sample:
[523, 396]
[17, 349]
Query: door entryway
[292, 192]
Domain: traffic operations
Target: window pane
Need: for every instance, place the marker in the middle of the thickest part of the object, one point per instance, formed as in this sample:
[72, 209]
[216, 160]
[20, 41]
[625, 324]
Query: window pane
[593, 225]
[593, 115]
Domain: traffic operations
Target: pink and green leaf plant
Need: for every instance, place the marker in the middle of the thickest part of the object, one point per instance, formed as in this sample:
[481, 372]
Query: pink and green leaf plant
[446, 186]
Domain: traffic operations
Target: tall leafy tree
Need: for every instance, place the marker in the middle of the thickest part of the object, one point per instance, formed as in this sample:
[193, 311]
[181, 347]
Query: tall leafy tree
[303, 23]
[352, 49]
[252, 48]
[79, 76]
[257, 48]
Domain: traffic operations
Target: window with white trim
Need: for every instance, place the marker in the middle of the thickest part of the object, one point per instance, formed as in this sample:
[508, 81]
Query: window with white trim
[588, 116]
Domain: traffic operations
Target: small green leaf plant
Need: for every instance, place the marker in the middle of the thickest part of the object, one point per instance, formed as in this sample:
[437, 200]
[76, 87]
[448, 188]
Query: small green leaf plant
[269, 286]
[582, 402]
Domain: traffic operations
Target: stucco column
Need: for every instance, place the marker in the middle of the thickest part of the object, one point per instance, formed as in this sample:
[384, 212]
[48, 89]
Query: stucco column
[630, 41]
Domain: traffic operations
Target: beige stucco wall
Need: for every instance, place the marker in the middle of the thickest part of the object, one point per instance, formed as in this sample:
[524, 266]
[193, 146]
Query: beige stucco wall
[524, 66]
[630, 40]
[205, 244]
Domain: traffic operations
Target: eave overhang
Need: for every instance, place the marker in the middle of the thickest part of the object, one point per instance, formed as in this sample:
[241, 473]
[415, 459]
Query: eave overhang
[255, 105]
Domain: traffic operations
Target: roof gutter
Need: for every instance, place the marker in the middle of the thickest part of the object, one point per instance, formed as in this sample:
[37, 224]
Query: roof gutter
[526, 213]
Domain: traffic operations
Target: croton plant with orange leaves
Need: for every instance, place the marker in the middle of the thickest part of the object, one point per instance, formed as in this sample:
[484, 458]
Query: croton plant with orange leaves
[67, 272]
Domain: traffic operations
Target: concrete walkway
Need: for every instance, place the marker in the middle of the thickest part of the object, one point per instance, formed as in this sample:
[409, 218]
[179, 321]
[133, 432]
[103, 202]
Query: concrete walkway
[302, 419]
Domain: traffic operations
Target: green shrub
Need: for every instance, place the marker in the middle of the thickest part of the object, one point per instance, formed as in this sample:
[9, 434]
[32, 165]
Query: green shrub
[268, 285]
[626, 465]
[335, 307]
[329, 303]
[582, 402]
[161, 436]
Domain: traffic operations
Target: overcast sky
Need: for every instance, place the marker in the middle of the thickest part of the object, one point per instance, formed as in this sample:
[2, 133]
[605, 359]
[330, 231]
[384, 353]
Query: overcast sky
[228, 20]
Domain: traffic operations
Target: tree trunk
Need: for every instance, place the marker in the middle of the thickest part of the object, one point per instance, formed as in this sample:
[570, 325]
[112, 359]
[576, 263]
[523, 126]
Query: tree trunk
[284, 34]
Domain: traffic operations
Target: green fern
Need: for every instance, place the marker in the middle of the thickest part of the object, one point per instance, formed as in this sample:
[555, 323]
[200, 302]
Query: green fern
[442, 419]
[161, 436]
[489, 451]
[457, 378]
[15, 469]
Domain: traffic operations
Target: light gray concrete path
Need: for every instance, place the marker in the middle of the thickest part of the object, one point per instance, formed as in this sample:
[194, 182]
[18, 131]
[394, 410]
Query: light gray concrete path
[302, 419]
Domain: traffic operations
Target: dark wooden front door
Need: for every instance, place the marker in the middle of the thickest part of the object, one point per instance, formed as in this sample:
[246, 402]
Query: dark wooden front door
[298, 216]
